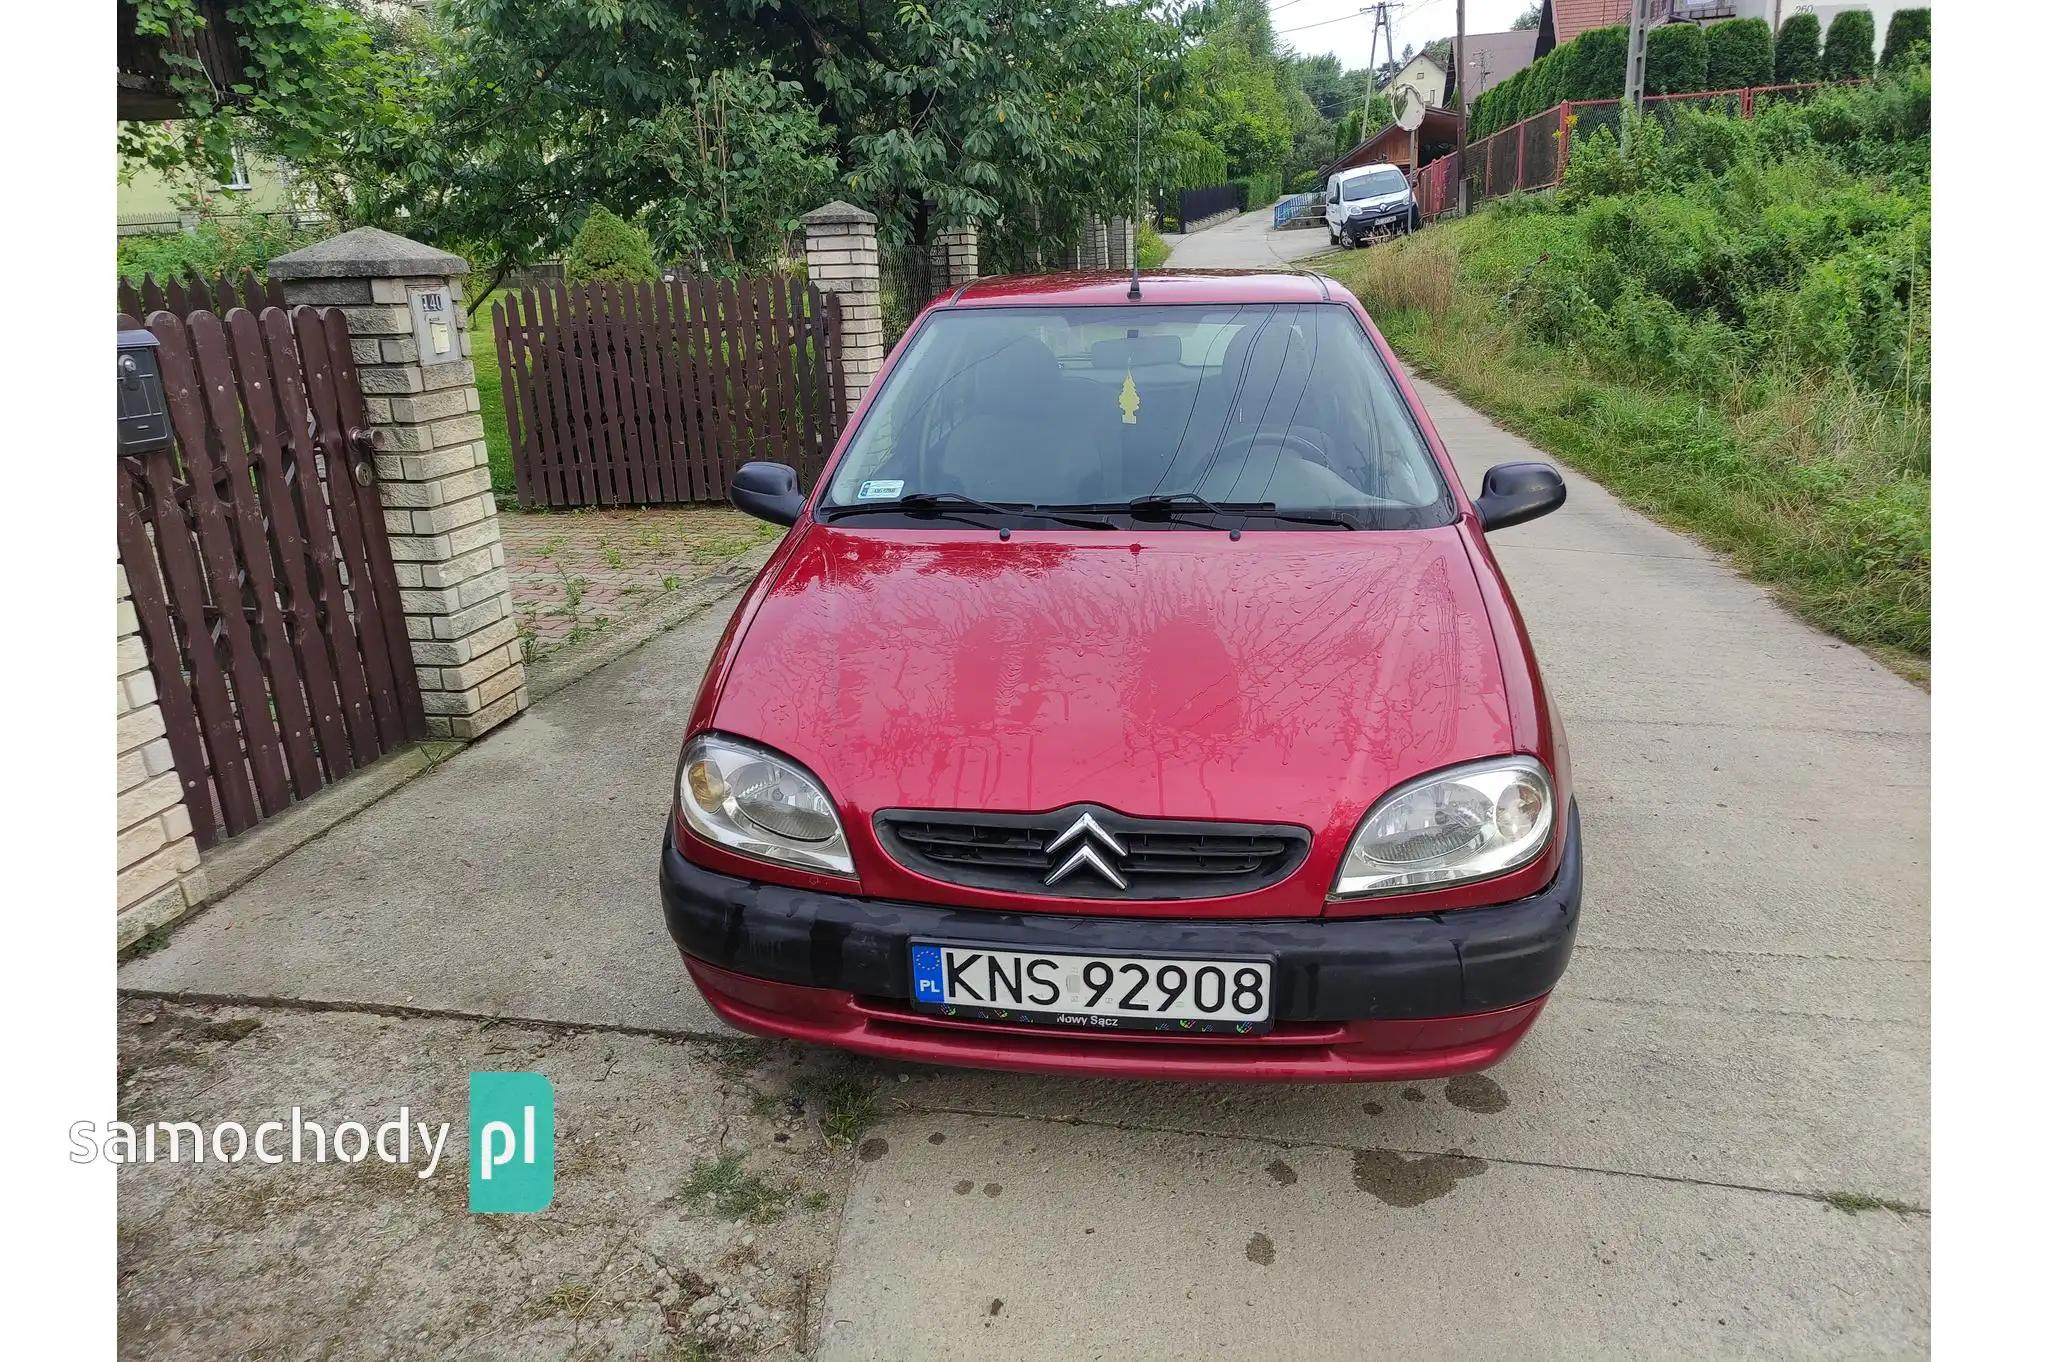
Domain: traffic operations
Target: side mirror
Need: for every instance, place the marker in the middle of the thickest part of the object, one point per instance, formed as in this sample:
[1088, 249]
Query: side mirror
[767, 491]
[1515, 492]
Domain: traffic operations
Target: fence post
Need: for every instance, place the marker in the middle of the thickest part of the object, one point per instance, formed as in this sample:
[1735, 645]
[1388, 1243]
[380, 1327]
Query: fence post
[1564, 137]
[842, 258]
[157, 874]
[433, 469]
[956, 258]
[1123, 243]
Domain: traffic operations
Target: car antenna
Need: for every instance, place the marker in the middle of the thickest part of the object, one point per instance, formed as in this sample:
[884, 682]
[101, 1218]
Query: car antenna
[1137, 175]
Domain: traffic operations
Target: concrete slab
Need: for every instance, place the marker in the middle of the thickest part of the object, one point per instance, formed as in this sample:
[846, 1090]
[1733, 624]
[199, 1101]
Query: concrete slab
[1021, 1239]
[554, 915]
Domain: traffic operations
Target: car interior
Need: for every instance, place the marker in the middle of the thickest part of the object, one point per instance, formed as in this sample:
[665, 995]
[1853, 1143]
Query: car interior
[1279, 404]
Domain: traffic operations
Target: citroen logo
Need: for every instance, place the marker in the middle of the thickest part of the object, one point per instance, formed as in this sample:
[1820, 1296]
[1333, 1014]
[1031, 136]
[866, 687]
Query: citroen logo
[1086, 828]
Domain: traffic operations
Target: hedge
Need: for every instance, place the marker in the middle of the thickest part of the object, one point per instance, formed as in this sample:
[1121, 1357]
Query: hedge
[1798, 58]
[1908, 26]
[1590, 66]
[1738, 54]
[1676, 59]
[608, 247]
[1852, 38]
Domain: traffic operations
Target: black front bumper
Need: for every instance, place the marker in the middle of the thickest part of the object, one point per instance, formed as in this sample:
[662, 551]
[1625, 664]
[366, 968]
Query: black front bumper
[1324, 969]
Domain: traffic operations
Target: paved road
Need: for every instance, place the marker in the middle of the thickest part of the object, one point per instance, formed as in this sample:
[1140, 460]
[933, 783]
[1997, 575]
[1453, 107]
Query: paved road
[1744, 1028]
[1246, 241]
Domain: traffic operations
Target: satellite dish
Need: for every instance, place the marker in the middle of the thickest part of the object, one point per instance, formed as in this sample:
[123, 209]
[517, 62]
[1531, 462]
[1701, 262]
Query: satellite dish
[1409, 116]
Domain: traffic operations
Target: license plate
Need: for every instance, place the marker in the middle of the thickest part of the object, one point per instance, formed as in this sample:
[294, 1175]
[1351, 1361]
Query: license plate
[1180, 994]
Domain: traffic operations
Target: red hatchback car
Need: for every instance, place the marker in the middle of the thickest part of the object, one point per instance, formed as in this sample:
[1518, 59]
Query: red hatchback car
[1135, 694]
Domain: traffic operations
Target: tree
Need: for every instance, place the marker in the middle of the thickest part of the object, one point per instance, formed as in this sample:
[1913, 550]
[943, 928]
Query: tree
[1798, 53]
[1907, 28]
[1676, 60]
[609, 249]
[1852, 36]
[1738, 54]
[1529, 17]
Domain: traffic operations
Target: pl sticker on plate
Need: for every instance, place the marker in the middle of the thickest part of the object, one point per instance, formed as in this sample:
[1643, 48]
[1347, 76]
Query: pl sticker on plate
[880, 489]
[926, 974]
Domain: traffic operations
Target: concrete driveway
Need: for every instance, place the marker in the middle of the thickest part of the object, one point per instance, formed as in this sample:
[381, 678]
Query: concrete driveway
[1714, 1143]
[1247, 241]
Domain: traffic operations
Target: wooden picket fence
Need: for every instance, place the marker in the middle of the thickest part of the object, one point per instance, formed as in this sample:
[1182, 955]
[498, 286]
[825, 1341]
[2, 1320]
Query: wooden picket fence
[262, 577]
[643, 394]
[198, 293]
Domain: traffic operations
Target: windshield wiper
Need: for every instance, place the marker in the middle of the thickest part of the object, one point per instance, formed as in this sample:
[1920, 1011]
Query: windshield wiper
[1166, 505]
[930, 502]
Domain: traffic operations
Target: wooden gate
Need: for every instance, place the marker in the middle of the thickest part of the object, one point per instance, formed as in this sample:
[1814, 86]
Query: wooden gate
[639, 394]
[262, 578]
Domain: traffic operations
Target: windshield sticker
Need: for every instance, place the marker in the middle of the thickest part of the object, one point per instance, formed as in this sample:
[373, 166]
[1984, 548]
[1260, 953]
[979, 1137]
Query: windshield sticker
[880, 489]
[1128, 399]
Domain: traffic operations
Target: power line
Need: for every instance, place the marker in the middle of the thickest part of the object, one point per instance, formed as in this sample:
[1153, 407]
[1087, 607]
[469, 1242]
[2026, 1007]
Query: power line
[1324, 24]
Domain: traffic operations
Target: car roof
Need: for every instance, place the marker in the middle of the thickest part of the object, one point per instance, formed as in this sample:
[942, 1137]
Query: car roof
[1356, 171]
[1102, 288]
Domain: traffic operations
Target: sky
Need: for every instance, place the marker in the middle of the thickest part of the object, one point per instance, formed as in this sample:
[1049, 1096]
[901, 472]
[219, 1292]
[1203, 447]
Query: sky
[1350, 36]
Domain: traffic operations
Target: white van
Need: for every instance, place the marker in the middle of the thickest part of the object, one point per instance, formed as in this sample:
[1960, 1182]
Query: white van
[1369, 201]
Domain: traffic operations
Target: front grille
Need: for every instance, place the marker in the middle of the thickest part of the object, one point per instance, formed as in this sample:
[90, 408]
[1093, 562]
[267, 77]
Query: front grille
[1157, 858]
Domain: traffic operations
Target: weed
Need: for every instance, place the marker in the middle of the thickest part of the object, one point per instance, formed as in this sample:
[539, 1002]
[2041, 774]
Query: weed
[612, 556]
[735, 1193]
[572, 591]
[846, 1103]
[1855, 1203]
[555, 544]
[735, 1056]
[671, 582]
[573, 1299]
[150, 942]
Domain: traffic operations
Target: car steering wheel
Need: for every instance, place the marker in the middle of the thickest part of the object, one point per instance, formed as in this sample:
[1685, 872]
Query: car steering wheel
[1289, 441]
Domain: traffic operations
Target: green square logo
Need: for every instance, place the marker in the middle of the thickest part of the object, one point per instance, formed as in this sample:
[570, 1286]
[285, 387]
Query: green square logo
[511, 1143]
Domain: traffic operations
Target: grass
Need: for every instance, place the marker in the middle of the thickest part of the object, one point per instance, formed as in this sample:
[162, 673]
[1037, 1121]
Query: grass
[729, 1189]
[1151, 247]
[1855, 1203]
[1814, 487]
[490, 387]
[846, 1102]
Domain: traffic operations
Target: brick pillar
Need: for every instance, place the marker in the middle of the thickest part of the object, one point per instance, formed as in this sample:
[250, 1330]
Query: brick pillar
[956, 258]
[1097, 241]
[433, 473]
[157, 874]
[842, 258]
[1123, 244]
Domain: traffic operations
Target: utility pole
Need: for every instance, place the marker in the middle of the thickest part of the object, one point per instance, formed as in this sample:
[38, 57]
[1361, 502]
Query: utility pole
[1381, 23]
[1464, 100]
[1632, 87]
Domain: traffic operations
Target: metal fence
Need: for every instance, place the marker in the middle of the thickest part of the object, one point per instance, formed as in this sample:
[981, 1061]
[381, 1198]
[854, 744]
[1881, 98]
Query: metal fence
[1532, 155]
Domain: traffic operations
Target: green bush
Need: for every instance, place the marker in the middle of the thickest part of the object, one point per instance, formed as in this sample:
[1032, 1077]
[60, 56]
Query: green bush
[1738, 54]
[606, 248]
[219, 245]
[1852, 36]
[1798, 52]
[1909, 28]
[1152, 249]
[1676, 59]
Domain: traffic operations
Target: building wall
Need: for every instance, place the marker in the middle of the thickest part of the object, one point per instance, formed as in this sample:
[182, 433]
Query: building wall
[1424, 77]
[147, 200]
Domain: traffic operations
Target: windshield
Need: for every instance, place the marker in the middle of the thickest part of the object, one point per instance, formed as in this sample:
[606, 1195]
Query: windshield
[1374, 185]
[1286, 405]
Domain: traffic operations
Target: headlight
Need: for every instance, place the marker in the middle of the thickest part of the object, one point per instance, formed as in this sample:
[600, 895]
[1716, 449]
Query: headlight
[1466, 823]
[757, 802]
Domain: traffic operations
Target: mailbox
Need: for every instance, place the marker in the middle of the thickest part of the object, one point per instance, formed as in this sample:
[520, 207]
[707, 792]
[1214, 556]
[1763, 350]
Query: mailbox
[144, 422]
[434, 329]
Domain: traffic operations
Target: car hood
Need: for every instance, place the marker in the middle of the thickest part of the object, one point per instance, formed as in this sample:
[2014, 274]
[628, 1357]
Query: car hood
[1373, 205]
[1285, 677]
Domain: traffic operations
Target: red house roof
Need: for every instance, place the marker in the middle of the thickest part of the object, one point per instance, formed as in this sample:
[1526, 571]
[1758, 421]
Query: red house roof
[1570, 18]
